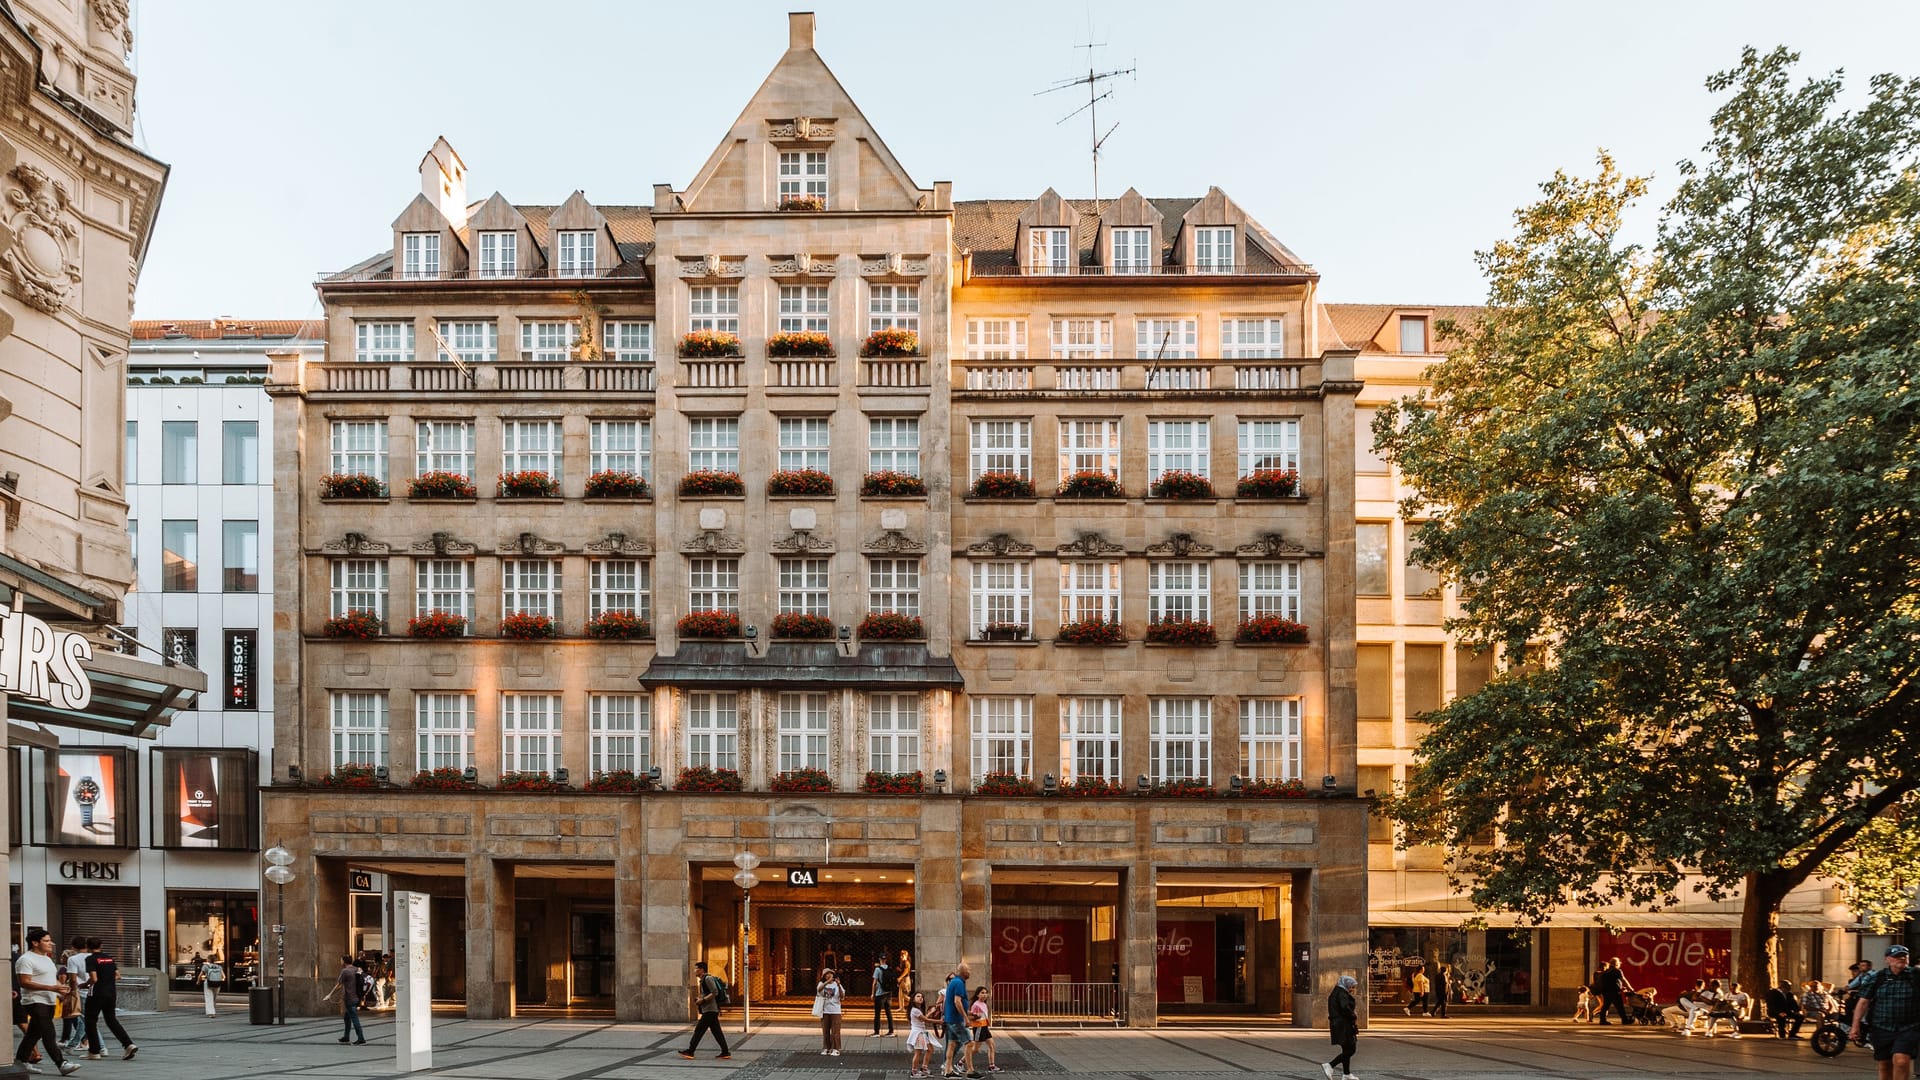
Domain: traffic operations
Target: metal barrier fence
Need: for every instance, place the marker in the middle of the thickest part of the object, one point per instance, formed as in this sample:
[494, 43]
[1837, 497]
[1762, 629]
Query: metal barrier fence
[1058, 1002]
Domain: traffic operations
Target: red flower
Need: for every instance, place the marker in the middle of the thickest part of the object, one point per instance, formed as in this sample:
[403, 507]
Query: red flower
[527, 626]
[800, 343]
[712, 482]
[789, 624]
[1001, 485]
[443, 779]
[1181, 632]
[351, 776]
[886, 783]
[528, 484]
[1003, 783]
[703, 778]
[888, 484]
[1180, 484]
[352, 624]
[618, 626]
[352, 486]
[799, 482]
[710, 343]
[441, 485]
[1271, 628]
[891, 626]
[1091, 632]
[801, 780]
[1268, 484]
[709, 624]
[436, 624]
[1091, 484]
[891, 341]
[616, 484]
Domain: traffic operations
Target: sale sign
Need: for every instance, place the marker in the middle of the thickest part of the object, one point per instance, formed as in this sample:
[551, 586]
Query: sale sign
[1035, 950]
[1184, 949]
[1670, 959]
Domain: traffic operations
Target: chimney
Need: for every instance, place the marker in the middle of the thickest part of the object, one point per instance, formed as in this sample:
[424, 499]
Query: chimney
[799, 30]
[443, 180]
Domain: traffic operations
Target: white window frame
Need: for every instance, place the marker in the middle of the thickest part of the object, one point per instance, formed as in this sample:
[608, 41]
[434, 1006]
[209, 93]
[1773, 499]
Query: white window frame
[999, 446]
[1180, 728]
[547, 341]
[1182, 334]
[1213, 249]
[893, 733]
[628, 341]
[893, 584]
[1090, 446]
[444, 731]
[1269, 445]
[575, 252]
[1089, 592]
[385, 341]
[1002, 592]
[619, 585]
[1082, 339]
[893, 444]
[1050, 250]
[533, 445]
[1253, 339]
[438, 580]
[1179, 446]
[1133, 250]
[803, 309]
[1001, 735]
[530, 587]
[713, 730]
[1270, 743]
[1423, 328]
[419, 256]
[713, 444]
[499, 254]
[1090, 738]
[893, 307]
[805, 443]
[529, 732]
[431, 456]
[713, 583]
[620, 446]
[805, 585]
[1270, 588]
[713, 307]
[997, 339]
[802, 172]
[1179, 589]
[801, 721]
[476, 341]
[357, 446]
[619, 733]
[360, 727]
[358, 585]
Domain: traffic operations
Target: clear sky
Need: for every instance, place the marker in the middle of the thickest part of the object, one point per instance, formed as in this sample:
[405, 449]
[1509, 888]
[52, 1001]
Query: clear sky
[1382, 142]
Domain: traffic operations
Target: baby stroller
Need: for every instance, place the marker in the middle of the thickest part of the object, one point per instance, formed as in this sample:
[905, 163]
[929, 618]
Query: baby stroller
[1641, 1006]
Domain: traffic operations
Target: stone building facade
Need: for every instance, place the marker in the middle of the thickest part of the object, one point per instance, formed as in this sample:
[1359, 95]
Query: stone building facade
[806, 476]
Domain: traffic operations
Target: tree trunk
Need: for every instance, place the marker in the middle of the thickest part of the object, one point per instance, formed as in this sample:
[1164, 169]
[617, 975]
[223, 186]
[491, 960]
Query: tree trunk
[1759, 928]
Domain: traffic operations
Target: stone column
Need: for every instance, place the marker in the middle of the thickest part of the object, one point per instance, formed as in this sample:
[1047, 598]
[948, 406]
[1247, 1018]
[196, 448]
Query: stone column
[1140, 933]
[936, 884]
[976, 891]
[667, 917]
[489, 938]
[1335, 920]
[629, 910]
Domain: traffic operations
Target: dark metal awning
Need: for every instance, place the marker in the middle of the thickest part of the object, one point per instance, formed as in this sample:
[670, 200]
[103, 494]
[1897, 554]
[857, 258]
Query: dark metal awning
[129, 696]
[811, 664]
[48, 597]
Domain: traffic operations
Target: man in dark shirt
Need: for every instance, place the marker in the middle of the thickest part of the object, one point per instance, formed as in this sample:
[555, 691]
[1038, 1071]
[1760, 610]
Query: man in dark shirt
[102, 973]
[1889, 1007]
[1613, 987]
[349, 989]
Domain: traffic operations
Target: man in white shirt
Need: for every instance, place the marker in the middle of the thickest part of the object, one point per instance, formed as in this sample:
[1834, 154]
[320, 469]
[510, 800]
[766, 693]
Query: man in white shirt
[39, 988]
[74, 1028]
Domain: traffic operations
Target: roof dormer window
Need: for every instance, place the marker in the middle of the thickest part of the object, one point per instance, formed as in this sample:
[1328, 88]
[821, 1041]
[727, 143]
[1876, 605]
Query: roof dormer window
[1413, 333]
[574, 254]
[420, 255]
[498, 255]
[1049, 251]
[1213, 250]
[803, 180]
[1132, 251]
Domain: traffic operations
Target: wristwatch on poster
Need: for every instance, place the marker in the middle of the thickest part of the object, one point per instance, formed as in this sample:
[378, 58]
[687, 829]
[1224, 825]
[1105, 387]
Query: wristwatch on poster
[86, 793]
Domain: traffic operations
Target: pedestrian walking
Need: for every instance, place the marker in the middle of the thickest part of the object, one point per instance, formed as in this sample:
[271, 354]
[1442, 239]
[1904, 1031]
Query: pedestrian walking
[827, 1000]
[1442, 989]
[710, 993]
[1417, 1005]
[980, 1025]
[73, 1028]
[347, 985]
[953, 1013]
[39, 988]
[211, 976]
[1613, 987]
[883, 990]
[103, 979]
[1343, 1024]
[1888, 1012]
[919, 1037]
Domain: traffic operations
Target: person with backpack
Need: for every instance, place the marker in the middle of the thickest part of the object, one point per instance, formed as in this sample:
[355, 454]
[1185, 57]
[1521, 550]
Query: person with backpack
[1889, 1012]
[885, 985]
[710, 994]
[211, 976]
[102, 975]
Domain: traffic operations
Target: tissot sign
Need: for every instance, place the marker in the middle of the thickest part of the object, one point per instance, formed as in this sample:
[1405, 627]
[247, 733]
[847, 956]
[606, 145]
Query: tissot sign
[40, 663]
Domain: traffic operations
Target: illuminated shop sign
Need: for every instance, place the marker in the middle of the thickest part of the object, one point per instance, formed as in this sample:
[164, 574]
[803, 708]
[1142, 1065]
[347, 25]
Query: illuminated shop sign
[40, 663]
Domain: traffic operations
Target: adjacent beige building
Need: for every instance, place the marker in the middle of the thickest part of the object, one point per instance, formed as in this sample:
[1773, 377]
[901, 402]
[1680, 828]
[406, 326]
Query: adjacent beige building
[805, 476]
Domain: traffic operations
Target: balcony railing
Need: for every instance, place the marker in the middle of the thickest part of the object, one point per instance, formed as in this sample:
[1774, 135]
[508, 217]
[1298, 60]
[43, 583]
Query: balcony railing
[633, 271]
[532, 376]
[1242, 269]
[356, 377]
[806, 373]
[712, 374]
[895, 371]
[1187, 376]
[440, 377]
[627, 378]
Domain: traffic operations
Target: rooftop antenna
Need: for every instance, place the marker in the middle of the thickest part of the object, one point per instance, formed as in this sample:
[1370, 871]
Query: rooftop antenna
[1092, 80]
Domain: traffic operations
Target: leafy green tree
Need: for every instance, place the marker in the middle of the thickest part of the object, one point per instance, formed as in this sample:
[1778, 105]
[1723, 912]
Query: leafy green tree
[1681, 484]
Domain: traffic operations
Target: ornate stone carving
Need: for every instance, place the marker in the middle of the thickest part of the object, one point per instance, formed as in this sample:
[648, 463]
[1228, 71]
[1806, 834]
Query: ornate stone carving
[800, 127]
[114, 18]
[1000, 544]
[528, 543]
[1090, 544]
[444, 544]
[619, 543]
[802, 266]
[1272, 545]
[711, 266]
[713, 541]
[354, 543]
[895, 542]
[45, 239]
[893, 265]
[1180, 545]
[802, 541]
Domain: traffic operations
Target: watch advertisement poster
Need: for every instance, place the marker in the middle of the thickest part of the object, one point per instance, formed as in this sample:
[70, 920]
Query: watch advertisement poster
[197, 791]
[86, 798]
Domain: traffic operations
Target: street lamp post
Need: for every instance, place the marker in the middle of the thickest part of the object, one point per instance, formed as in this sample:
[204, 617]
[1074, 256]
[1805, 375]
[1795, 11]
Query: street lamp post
[280, 871]
[746, 879]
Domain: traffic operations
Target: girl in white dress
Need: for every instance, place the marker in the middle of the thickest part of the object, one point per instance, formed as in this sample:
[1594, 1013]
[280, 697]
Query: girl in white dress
[919, 1039]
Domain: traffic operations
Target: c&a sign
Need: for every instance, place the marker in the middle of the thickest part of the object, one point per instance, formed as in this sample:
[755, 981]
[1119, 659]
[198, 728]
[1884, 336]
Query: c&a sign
[40, 663]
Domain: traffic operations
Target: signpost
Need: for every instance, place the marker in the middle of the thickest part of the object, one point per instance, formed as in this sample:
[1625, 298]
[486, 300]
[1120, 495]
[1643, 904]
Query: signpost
[413, 982]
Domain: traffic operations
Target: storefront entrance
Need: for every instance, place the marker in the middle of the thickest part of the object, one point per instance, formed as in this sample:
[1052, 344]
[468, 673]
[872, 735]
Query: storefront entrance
[212, 926]
[851, 918]
[1221, 942]
[592, 956]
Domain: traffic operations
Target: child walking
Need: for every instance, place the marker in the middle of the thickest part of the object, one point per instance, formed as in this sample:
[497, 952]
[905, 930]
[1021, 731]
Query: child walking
[981, 1024]
[919, 1039]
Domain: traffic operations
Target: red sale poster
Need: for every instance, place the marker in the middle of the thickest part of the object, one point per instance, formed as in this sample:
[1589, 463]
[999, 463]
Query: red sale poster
[1670, 959]
[1183, 950]
[1035, 950]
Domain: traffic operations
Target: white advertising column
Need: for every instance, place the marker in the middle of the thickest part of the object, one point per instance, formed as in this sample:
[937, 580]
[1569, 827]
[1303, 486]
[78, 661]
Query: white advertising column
[413, 983]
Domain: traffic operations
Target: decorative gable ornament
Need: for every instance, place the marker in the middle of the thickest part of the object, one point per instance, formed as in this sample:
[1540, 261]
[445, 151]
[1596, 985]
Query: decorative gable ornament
[619, 543]
[802, 541]
[1180, 545]
[1090, 544]
[444, 544]
[45, 239]
[1273, 545]
[528, 543]
[895, 542]
[1000, 544]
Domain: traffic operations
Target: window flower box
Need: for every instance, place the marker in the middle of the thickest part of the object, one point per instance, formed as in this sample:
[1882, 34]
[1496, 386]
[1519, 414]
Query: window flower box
[437, 624]
[889, 484]
[792, 624]
[1270, 630]
[705, 778]
[891, 626]
[443, 779]
[352, 624]
[352, 486]
[891, 341]
[351, 776]
[1003, 631]
[799, 780]
[529, 781]
[1001, 485]
[709, 624]
[712, 482]
[1268, 484]
[799, 343]
[1181, 632]
[528, 484]
[1190, 788]
[1180, 484]
[1003, 783]
[894, 783]
[802, 203]
[441, 485]
[618, 626]
[617, 780]
[616, 484]
[709, 344]
[1090, 485]
[1093, 787]
[1274, 789]
[1091, 632]
[527, 626]
[799, 482]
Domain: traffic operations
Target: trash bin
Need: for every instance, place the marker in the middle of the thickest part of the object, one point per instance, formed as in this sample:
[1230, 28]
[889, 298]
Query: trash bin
[260, 1005]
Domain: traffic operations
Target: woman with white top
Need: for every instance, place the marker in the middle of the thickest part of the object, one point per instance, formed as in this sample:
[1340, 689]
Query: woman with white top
[827, 996]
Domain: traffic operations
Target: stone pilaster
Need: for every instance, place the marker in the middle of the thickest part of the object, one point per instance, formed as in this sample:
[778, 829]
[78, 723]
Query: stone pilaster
[489, 938]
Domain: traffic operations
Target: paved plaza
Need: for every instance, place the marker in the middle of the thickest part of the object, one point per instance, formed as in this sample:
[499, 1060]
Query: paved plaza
[184, 1045]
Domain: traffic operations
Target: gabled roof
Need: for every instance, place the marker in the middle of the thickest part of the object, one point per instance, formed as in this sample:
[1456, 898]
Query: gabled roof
[987, 226]
[632, 228]
[1360, 325]
[227, 328]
